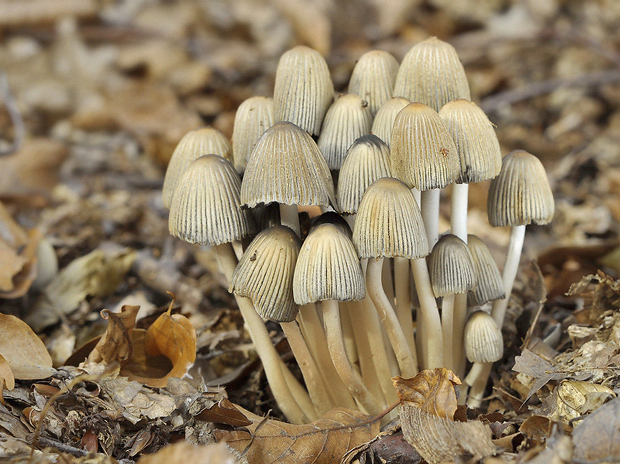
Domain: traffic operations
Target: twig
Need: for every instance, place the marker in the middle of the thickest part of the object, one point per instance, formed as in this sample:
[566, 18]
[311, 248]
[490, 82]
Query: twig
[14, 114]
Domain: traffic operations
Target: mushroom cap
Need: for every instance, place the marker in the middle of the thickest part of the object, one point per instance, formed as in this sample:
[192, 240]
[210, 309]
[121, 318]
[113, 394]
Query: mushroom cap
[384, 119]
[328, 268]
[389, 223]
[303, 89]
[367, 160]
[265, 273]
[451, 267]
[422, 150]
[489, 285]
[431, 73]
[204, 141]
[287, 167]
[475, 140]
[483, 338]
[205, 207]
[346, 120]
[331, 217]
[521, 194]
[373, 78]
[254, 116]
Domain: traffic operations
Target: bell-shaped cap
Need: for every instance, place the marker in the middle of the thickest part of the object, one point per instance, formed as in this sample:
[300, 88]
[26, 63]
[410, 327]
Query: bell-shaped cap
[205, 207]
[483, 339]
[265, 273]
[384, 119]
[373, 78]
[521, 194]
[431, 73]
[287, 167]
[328, 268]
[475, 139]
[204, 141]
[489, 283]
[346, 120]
[303, 89]
[422, 150]
[389, 223]
[367, 160]
[451, 267]
[331, 217]
[254, 116]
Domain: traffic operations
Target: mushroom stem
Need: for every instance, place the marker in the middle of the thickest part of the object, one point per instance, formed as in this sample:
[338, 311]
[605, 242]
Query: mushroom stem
[333, 331]
[515, 246]
[289, 216]
[349, 337]
[477, 379]
[430, 215]
[447, 328]
[458, 210]
[403, 300]
[406, 359]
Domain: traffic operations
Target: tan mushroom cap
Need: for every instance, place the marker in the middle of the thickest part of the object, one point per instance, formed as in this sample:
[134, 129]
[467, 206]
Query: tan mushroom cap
[384, 119]
[265, 273]
[367, 160]
[451, 267]
[331, 217]
[483, 339]
[475, 139]
[431, 73]
[303, 89]
[287, 167]
[206, 208]
[373, 78]
[254, 116]
[328, 268]
[521, 194]
[204, 141]
[389, 223]
[489, 283]
[422, 150]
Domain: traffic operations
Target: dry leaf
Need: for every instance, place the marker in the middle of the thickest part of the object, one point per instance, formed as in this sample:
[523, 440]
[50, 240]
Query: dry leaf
[220, 411]
[573, 398]
[324, 441]
[184, 452]
[534, 366]
[597, 438]
[115, 344]
[6, 377]
[431, 391]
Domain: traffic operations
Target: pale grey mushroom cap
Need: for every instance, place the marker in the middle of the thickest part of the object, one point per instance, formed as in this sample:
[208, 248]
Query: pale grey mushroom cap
[384, 119]
[475, 139]
[328, 268]
[490, 285]
[205, 207]
[265, 273]
[451, 267]
[483, 339]
[521, 194]
[422, 150]
[431, 73]
[204, 141]
[389, 223]
[303, 89]
[367, 160]
[287, 167]
[254, 116]
[373, 78]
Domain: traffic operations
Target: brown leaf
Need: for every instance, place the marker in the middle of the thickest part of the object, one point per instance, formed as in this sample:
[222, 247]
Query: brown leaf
[324, 441]
[185, 452]
[23, 350]
[6, 377]
[221, 411]
[431, 391]
[115, 344]
[597, 438]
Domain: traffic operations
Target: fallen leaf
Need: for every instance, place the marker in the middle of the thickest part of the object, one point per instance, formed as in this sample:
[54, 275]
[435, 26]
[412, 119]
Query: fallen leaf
[540, 369]
[324, 441]
[7, 379]
[221, 411]
[431, 391]
[572, 399]
[185, 452]
[597, 438]
[115, 344]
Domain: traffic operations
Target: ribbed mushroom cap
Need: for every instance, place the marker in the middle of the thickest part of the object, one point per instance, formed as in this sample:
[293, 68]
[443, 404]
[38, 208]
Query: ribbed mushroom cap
[205, 208]
[389, 223]
[431, 73]
[367, 160]
[373, 78]
[384, 119]
[475, 139]
[331, 217]
[489, 283]
[265, 273]
[205, 141]
[254, 116]
[521, 193]
[346, 120]
[483, 339]
[303, 89]
[422, 150]
[451, 267]
[287, 167]
[328, 268]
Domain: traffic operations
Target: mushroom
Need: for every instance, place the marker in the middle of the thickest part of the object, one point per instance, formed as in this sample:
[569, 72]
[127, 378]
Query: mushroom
[373, 78]
[384, 119]
[483, 343]
[253, 117]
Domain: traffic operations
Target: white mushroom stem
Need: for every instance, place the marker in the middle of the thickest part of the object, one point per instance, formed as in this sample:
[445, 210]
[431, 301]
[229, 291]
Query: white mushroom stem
[458, 210]
[349, 337]
[333, 331]
[406, 360]
[403, 300]
[292, 399]
[447, 329]
[430, 215]
[477, 379]
[515, 246]
[387, 280]
[289, 216]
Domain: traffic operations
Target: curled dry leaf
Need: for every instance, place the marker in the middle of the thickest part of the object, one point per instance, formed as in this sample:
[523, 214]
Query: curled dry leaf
[185, 452]
[431, 391]
[115, 344]
[324, 441]
[213, 408]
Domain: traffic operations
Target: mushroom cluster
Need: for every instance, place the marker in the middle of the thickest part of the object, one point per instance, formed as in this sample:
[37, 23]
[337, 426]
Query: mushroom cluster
[371, 290]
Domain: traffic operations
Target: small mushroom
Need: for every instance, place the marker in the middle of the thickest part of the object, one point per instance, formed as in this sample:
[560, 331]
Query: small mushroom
[253, 117]
[373, 78]
[384, 119]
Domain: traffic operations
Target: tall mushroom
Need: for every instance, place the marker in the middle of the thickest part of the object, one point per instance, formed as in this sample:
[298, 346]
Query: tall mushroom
[373, 78]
